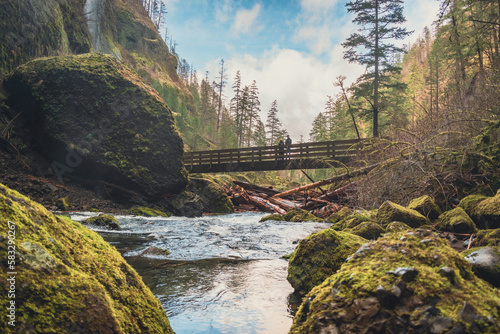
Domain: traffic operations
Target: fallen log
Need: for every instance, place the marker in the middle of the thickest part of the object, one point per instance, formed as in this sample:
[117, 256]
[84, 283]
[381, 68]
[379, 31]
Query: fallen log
[342, 177]
[335, 193]
[265, 205]
[283, 203]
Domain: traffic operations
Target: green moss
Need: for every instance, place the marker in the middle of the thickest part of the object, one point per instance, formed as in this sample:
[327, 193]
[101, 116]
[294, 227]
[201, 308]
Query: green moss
[148, 212]
[63, 203]
[427, 206]
[456, 221]
[487, 238]
[393, 283]
[319, 256]
[487, 213]
[300, 215]
[397, 227]
[470, 203]
[339, 215]
[368, 230]
[70, 279]
[274, 216]
[103, 220]
[389, 212]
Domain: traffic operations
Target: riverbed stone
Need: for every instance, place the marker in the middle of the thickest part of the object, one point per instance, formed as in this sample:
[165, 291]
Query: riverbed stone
[486, 262]
[427, 206]
[318, 256]
[456, 221]
[389, 212]
[396, 286]
[69, 280]
[487, 238]
[368, 230]
[487, 213]
[103, 220]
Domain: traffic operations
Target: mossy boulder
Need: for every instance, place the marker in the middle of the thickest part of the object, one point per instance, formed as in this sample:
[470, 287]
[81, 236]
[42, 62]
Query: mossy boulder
[213, 198]
[389, 212]
[368, 230]
[397, 227]
[300, 215]
[319, 256]
[274, 216]
[103, 220]
[470, 203]
[427, 206]
[410, 282]
[155, 251]
[68, 278]
[339, 215]
[93, 118]
[148, 212]
[487, 238]
[486, 263]
[486, 214]
[202, 195]
[456, 221]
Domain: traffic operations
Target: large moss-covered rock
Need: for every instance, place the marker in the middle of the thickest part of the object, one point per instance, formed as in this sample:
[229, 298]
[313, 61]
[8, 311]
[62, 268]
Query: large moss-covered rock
[94, 118]
[487, 238]
[319, 256]
[294, 215]
[213, 198]
[389, 212]
[456, 221]
[427, 206]
[487, 213]
[69, 280]
[410, 282]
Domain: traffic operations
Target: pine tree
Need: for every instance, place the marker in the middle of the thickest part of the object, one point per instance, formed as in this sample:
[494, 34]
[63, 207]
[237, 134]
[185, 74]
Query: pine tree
[379, 21]
[273, 124]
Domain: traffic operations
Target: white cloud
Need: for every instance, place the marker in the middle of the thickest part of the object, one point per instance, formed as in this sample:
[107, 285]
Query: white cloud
[245, 19]
[223, 10]
[298, 82]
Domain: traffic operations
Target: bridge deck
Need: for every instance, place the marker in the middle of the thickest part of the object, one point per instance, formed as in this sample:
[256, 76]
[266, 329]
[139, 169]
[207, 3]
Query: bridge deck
[296, 156]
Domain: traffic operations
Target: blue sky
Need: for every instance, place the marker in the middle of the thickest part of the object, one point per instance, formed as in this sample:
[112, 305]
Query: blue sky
[290, 47]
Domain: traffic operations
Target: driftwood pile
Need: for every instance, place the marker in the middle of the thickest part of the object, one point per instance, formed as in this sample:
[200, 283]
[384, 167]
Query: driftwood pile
[320, 203]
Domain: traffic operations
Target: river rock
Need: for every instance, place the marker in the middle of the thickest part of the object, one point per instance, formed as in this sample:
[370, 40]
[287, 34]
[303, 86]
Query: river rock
[397, 285]
[456, 221]
[93, 118]
[486, 262]
[368, 230]
[103, 220]
[487, 213]
[213, 198]
[389, 212]
[69, 280]
[487, 238]
[427, 206]
[319, 256]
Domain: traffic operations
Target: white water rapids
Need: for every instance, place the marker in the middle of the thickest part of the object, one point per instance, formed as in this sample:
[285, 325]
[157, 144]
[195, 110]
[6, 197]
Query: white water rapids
[225, 274]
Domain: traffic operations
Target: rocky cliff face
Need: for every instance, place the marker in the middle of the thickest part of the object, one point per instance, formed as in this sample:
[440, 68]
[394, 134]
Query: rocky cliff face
[66, 278]
[93, 118]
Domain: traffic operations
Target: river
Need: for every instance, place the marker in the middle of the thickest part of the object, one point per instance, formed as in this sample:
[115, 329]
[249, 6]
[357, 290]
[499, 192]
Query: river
[225, 274]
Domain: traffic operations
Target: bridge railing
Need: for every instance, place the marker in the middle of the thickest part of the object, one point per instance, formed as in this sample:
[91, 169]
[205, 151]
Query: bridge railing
[329, 150]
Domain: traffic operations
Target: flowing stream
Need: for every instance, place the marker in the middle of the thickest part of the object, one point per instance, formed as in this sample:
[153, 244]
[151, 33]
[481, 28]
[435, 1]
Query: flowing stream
[225, 274]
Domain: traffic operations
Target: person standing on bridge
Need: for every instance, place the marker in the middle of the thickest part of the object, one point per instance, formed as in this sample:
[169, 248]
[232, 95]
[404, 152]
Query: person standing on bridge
[288, 143]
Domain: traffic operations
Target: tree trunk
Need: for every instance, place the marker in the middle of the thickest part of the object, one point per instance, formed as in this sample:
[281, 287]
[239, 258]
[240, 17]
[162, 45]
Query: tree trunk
[376, 79]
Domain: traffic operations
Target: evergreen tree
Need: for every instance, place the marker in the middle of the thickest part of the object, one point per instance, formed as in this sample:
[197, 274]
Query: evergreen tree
[379, 22]
[273, 124]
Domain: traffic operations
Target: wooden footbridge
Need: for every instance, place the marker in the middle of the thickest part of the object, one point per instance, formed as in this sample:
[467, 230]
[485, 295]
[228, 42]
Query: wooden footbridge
[296, 156]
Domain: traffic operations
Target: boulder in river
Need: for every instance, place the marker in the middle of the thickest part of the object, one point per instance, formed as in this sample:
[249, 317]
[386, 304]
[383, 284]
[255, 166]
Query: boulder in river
[318, 256]
[103, 220]
[409, 282]
[94, 119]
[69, 280]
